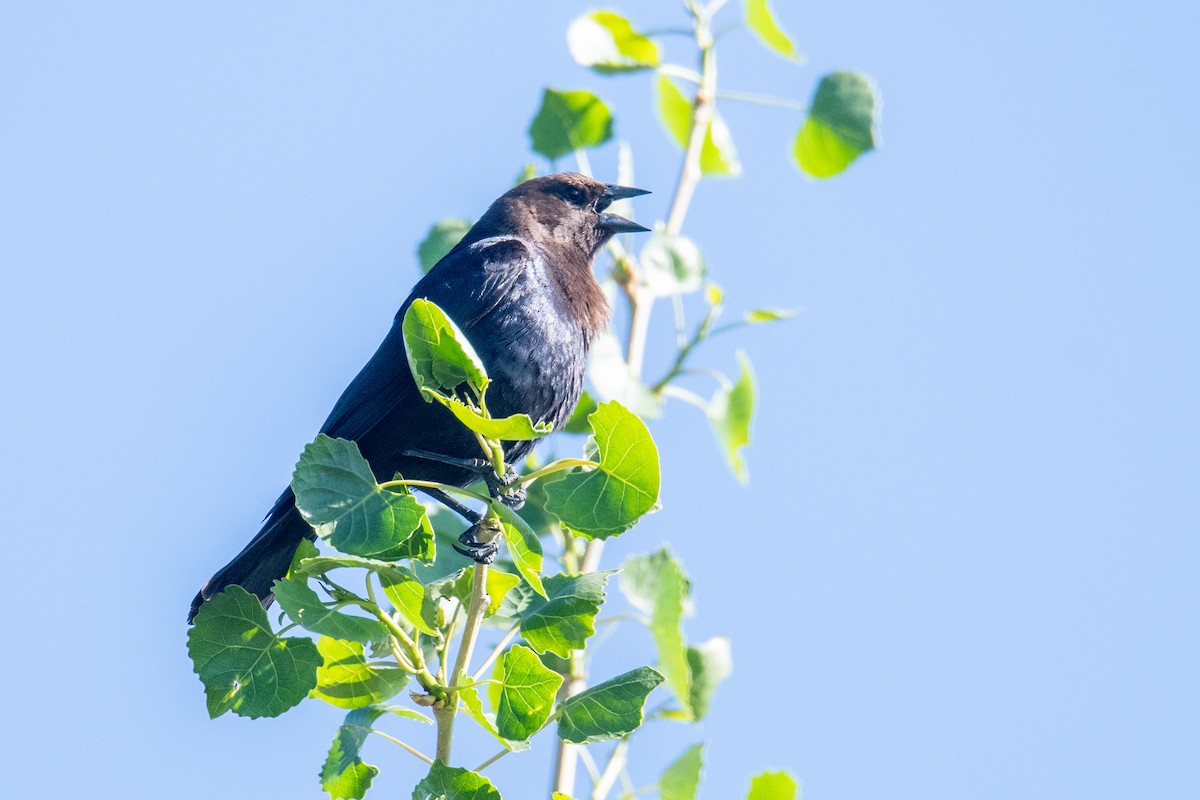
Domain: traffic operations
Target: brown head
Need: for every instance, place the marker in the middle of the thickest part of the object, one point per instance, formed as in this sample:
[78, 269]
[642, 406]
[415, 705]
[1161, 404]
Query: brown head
[565, 209]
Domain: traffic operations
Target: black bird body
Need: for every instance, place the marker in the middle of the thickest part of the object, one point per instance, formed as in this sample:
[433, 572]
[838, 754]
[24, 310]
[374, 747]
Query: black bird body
[521, 288]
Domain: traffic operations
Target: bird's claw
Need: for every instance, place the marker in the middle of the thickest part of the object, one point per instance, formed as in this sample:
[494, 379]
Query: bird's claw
[502, 488]
[481, 540]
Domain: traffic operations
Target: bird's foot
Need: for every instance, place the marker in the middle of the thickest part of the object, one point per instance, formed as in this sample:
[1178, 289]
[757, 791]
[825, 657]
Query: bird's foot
[481, 541]
[503, 489]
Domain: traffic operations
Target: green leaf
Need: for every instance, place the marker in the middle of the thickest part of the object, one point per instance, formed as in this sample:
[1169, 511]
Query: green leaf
[454, 783]
[564, 620]
[612, 379]
[729, 413]
[840, 125]
[305, 606]
[773, 786]
[681, 778]
[439, 355]
[441, 240]
[560, 796]
[569, 121]
[656, 583]
[607, 43]
[770, 314]
[469, 695]
[523, 546]
[710, 664]
[518, 427]
[244, 666]
[671, 264]
[577, 422]
[410, 598]
[718, 156]
[498, 585]
[344, 775]
[761, 20]
[348, 680]
[608, 710]
[609, 499]
[337, 494]
[527, 695]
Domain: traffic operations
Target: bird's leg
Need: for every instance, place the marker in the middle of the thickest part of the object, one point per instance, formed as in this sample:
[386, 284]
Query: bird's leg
[482, 539]
[500, 487]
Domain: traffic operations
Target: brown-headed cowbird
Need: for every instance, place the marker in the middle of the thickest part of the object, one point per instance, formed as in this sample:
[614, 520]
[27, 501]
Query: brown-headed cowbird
[520, 286]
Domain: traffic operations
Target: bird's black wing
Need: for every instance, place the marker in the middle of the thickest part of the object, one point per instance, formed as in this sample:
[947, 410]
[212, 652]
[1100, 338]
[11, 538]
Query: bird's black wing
[467, 284]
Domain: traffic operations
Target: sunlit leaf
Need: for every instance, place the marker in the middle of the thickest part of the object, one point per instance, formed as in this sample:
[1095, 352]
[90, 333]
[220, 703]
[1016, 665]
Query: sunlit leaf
[347, 680]
[524, 548]
[758, 315]
[473, 704]
[671, 264]
[439, 355]
[305, 606]
[410, 598]
[440, 240]
[526, 695]
[244, 666]
[454, 783]
[711, 663]
[517, 427]
[608, 710]
[656, 583]
[729, 413]
[681, 778]
[718, 156]
[761, 20]
[498, 585]
[569, 121]
[337, 494]
[606, 42]
[610, 498]
[773, 786]
[840, 125]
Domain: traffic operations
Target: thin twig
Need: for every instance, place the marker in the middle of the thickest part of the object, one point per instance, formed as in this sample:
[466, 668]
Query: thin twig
[407, 747]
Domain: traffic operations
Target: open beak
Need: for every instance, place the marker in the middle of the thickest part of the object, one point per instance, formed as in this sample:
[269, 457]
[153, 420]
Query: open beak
[614, 222]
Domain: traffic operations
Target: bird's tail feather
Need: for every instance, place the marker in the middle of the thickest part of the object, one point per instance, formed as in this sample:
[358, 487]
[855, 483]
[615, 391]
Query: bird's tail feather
[262, 562]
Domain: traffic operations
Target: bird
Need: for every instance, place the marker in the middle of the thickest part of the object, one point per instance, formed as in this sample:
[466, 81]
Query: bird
[521, 288]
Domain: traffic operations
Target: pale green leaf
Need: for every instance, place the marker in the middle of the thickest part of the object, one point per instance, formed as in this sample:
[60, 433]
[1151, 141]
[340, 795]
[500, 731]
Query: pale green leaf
[608, 710]
[606, 42]
[569, 121]
[758, 315]
[718, 156]
[517, 427]
[681, 778]
[469, 695]
[441, 240]
[840, 125]
[305, 606]
[710, 663]
[439, 355]
[656, 583]
[761, 20]
[524, 547]
[454, 783]
[526, 694]
[729, 413]
[498, 585]
[410, 598]
[671, 264]
[347, 680]
[773, 786]
[337, 494]
[610, 498]
[244, 666]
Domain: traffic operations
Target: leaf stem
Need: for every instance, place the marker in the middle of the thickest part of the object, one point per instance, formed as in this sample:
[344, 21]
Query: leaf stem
[407, 747]
[763, 100]
[558, 465]
[492, 760]
[492, 656]
[445, 487]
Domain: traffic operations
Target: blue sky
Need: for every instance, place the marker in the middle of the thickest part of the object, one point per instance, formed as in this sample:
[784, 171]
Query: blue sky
[966, 563]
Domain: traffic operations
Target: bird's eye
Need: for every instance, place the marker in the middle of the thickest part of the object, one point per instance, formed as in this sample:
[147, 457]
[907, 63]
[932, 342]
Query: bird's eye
[575, 195]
